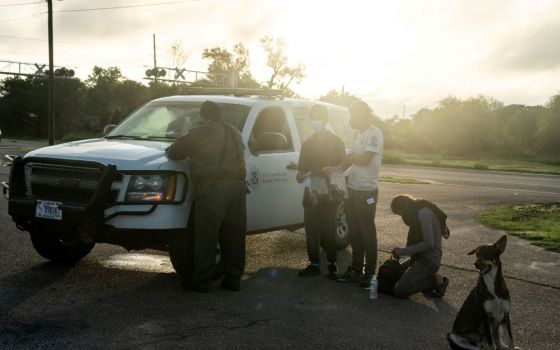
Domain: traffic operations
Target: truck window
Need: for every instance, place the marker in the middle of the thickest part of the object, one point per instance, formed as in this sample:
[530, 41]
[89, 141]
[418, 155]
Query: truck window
[302, 122]
[271, 132]
[174, 119]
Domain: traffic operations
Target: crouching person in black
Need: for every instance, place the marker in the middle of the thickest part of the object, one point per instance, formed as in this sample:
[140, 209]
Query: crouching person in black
[427, 225]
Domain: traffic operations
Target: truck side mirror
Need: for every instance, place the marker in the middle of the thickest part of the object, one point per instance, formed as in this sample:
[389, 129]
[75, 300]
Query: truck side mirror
[108, 128]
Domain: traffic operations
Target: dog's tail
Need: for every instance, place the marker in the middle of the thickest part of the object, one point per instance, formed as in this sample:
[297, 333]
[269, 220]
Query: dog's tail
[456, 342]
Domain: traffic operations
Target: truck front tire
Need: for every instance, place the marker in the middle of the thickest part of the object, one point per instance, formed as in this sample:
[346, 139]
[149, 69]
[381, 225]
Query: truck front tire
[180, 254]
[50, 246]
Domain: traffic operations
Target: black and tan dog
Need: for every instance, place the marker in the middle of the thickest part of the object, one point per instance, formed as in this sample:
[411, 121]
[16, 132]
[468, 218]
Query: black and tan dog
[483, 320]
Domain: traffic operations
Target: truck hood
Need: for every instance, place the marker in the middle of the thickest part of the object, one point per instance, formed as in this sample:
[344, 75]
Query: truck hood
[124, 154]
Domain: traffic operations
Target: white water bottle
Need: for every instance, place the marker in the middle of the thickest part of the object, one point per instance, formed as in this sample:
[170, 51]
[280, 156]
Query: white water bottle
[373, 288]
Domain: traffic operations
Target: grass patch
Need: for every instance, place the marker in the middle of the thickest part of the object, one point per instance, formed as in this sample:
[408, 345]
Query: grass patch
[537, 166]
[403, 180]
[539, 223]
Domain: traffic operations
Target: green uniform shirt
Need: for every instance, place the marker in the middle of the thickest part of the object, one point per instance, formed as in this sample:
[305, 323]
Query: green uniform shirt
[204, 146]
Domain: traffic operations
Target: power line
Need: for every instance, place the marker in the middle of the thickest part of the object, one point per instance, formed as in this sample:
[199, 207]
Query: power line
[21, 4]
[21, 17]
[99, 9]
[67, 42]
[124, 6]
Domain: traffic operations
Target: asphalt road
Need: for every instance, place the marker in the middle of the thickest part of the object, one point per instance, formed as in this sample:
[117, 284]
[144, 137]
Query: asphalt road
[123, 300]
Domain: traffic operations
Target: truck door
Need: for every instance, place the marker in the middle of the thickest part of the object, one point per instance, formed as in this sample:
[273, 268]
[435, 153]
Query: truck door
[275, 200]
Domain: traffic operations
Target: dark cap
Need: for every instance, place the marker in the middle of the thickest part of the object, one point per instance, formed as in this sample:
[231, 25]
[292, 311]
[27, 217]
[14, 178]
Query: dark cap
[210, 110]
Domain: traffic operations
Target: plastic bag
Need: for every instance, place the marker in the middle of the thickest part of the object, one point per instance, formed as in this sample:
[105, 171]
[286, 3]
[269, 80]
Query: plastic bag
[339, 191]
[316, 187]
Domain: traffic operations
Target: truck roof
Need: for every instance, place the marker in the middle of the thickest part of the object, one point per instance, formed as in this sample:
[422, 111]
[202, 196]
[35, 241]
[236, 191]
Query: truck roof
[246, 101]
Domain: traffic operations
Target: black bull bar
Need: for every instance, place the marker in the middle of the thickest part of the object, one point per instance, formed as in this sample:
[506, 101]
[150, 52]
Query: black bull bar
[22, 208]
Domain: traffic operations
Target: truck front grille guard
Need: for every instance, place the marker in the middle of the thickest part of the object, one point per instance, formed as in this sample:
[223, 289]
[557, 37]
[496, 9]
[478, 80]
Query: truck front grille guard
[92, 177]
[64, 182]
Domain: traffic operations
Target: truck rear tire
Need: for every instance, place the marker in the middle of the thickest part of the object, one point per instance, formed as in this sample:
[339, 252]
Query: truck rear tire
[49, 245]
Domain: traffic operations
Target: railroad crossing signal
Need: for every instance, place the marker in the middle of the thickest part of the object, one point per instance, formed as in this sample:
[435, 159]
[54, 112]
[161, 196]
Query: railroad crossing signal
[27, 69]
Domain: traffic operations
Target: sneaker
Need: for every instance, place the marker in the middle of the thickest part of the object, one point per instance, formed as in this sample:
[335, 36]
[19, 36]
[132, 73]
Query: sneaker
[349, 276]
[333, 269]
[310, 270]
[439, 291]
[365, 280]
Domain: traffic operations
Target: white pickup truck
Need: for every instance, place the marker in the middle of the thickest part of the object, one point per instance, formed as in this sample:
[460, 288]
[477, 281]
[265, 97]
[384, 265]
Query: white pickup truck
[122, 189]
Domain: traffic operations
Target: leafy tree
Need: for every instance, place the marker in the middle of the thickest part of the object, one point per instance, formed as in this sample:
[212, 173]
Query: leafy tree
[283, 75]
[340, 98]
[223, 63]
[548, 140]
[100, 75]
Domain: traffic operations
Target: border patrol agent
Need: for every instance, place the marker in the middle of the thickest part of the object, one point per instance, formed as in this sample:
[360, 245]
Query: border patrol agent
[217, 170]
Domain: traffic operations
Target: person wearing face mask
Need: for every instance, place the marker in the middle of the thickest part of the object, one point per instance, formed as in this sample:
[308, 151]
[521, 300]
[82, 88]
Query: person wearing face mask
[321, 150]
[214, 150]
[364, 161]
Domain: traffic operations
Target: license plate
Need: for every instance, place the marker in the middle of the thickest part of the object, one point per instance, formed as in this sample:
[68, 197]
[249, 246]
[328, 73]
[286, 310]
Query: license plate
[48, 210]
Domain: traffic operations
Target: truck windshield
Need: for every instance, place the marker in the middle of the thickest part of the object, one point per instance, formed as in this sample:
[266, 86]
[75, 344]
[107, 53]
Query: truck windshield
[169, 120]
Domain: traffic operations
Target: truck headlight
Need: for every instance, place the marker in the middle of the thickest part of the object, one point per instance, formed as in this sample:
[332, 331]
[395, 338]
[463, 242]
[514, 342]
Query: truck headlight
[151, 188]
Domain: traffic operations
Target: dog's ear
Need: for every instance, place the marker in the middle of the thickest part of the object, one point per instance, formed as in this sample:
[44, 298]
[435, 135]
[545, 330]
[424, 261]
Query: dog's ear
[474, 251]
[501, 244]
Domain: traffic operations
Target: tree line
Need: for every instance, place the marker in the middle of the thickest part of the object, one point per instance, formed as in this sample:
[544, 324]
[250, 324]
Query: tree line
[472, 127]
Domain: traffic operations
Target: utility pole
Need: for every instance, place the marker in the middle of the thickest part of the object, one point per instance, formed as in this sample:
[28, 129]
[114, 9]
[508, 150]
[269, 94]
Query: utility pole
[51, 76]
[403, 110]
[155, 61]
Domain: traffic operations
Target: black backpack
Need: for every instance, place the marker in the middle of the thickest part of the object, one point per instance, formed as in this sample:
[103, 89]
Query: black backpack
[389, 273]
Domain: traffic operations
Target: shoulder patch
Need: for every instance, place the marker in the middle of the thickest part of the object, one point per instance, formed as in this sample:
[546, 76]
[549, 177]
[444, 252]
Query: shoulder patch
[373, 141]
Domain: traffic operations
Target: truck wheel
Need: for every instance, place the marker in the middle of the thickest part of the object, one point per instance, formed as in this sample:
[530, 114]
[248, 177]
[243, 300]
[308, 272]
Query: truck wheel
[341, 239]
[49, 245]
[180, 254]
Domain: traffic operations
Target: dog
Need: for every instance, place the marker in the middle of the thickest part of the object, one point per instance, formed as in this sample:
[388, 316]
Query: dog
[483, 320]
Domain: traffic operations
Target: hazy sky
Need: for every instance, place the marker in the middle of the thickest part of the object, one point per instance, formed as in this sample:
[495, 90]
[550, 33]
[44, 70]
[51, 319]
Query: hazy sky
[390, 53]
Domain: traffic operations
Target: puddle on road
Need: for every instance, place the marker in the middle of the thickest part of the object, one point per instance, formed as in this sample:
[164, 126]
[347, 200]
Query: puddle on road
[139, 262]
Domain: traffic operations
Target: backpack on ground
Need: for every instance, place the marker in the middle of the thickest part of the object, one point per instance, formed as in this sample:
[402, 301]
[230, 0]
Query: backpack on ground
[389, 273]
